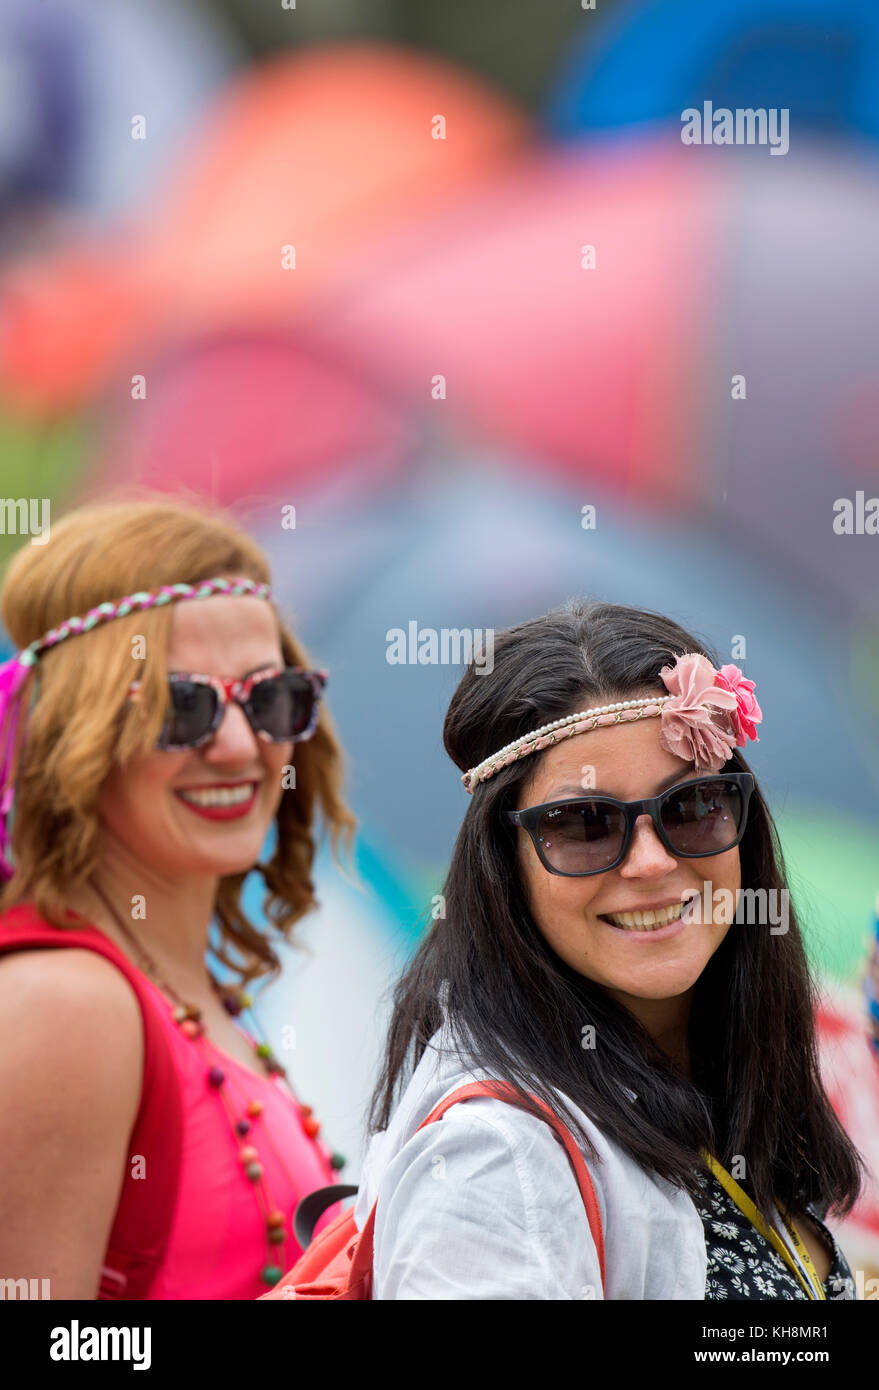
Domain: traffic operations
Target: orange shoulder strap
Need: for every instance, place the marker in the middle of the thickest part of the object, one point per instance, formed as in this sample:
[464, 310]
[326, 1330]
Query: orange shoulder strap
[361, 1265]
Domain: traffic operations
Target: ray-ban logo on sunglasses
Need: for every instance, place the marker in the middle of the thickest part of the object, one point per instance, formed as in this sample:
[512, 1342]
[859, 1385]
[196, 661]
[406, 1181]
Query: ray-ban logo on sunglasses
[445, 646]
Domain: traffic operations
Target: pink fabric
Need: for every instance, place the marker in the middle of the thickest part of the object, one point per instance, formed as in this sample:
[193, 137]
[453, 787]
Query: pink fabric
[217, 1244]
[748, 713]
[697, 721]
[13, 675]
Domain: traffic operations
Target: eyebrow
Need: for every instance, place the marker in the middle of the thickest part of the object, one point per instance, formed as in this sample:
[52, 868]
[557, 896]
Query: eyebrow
[264, 666]
[571, 789]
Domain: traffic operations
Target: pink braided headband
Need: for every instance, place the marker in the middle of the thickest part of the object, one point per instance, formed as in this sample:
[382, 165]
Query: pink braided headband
[15, 671]
[706, 714]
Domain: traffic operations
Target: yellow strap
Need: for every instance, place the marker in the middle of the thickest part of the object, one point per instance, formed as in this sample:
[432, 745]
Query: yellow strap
[814, 1289]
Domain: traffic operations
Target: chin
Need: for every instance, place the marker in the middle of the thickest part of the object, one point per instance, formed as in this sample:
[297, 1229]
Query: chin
[658, 991]
[228, 859]
[660, 986]
[236, 864]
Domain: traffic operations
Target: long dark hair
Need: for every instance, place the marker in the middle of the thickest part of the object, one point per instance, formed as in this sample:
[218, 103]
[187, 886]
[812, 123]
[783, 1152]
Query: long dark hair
[517, 1010]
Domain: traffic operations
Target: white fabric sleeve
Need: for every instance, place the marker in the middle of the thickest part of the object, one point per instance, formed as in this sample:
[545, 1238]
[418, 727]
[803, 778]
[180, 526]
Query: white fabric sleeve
[483, 1204]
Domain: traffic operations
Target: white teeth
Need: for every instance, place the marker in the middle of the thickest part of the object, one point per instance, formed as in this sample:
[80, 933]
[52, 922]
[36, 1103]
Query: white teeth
[646, 921]
[222, 796]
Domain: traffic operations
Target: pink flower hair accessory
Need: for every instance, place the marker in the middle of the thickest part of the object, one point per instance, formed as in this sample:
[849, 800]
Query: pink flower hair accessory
[710, 712]
[748, 713]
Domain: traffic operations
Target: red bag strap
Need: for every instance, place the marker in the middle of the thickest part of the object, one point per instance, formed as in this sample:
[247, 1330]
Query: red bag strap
[142, 1223]
[361, 1265]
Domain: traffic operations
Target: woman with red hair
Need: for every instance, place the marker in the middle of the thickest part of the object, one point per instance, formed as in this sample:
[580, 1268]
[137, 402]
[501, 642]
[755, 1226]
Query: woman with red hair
[152, 1147]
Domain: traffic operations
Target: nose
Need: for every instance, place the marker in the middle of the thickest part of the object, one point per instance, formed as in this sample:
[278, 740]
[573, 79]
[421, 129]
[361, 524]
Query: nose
[647, 856]
[234, 741]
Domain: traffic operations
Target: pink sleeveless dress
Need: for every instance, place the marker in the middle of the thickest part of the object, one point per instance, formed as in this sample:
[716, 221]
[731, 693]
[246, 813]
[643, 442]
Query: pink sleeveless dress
[217, 1246]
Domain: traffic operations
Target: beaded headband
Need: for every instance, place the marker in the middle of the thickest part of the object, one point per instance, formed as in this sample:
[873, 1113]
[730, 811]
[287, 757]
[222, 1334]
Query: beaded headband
[706, 714]
[14, 672]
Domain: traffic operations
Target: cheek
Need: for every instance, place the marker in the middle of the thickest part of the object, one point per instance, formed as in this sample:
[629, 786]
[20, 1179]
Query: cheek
[138, 792]
[552, 898]
[723, 876]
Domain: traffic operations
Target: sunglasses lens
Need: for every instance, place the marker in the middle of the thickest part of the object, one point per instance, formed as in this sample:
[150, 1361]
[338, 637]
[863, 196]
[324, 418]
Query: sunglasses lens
[193, 707]
[282, 706]
[704, 818]
[582, 837]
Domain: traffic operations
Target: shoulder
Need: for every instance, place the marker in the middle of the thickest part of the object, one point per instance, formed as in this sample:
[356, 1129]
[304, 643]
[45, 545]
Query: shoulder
[69, 1008]
[71, 1077]
[483, 1204]
[470, 1129]
[72, 973]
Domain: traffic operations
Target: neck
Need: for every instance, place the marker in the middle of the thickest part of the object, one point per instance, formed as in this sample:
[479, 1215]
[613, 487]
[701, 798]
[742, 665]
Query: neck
[667, 1022]
[169, 918]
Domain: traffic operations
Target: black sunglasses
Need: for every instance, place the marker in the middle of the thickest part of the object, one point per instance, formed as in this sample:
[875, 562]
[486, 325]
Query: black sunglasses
[591, 834]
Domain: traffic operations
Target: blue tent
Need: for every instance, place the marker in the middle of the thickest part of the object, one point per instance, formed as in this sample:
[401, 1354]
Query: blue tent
[651, 59]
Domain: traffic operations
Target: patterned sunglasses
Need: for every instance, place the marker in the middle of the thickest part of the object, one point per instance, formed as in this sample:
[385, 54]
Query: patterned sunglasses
[281, 704]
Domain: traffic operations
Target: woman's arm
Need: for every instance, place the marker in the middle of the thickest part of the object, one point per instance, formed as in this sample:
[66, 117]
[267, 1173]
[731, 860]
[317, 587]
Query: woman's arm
[71, 1066]
[484, 1205]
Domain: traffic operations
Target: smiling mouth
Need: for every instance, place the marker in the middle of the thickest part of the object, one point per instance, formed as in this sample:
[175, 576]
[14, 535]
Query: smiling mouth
[651, 920]
[219, 796]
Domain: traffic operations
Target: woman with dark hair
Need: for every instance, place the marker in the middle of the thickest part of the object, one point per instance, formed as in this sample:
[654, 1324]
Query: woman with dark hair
[591, 951]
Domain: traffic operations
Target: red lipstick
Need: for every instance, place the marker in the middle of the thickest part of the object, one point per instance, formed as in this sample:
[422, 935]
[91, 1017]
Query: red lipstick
[231, 812]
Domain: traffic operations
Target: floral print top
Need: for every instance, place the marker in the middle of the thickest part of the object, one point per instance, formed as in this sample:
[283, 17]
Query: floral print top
[743, 1264]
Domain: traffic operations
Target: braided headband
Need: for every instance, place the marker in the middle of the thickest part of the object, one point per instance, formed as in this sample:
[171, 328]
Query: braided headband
[15, 671]
[706, 714]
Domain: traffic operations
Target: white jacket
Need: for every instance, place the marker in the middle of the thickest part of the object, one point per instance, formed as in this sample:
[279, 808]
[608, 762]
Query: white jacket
[483, 1204]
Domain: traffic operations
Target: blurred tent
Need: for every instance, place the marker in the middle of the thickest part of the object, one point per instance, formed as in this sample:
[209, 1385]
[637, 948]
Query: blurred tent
[649, 60]
[250, 416]
[585, 368]
[74, 74]
[322, 152]
[622, 374]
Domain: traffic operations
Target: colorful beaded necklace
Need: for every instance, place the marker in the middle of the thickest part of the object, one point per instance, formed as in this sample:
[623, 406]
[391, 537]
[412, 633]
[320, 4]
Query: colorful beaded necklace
[188, 1018]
